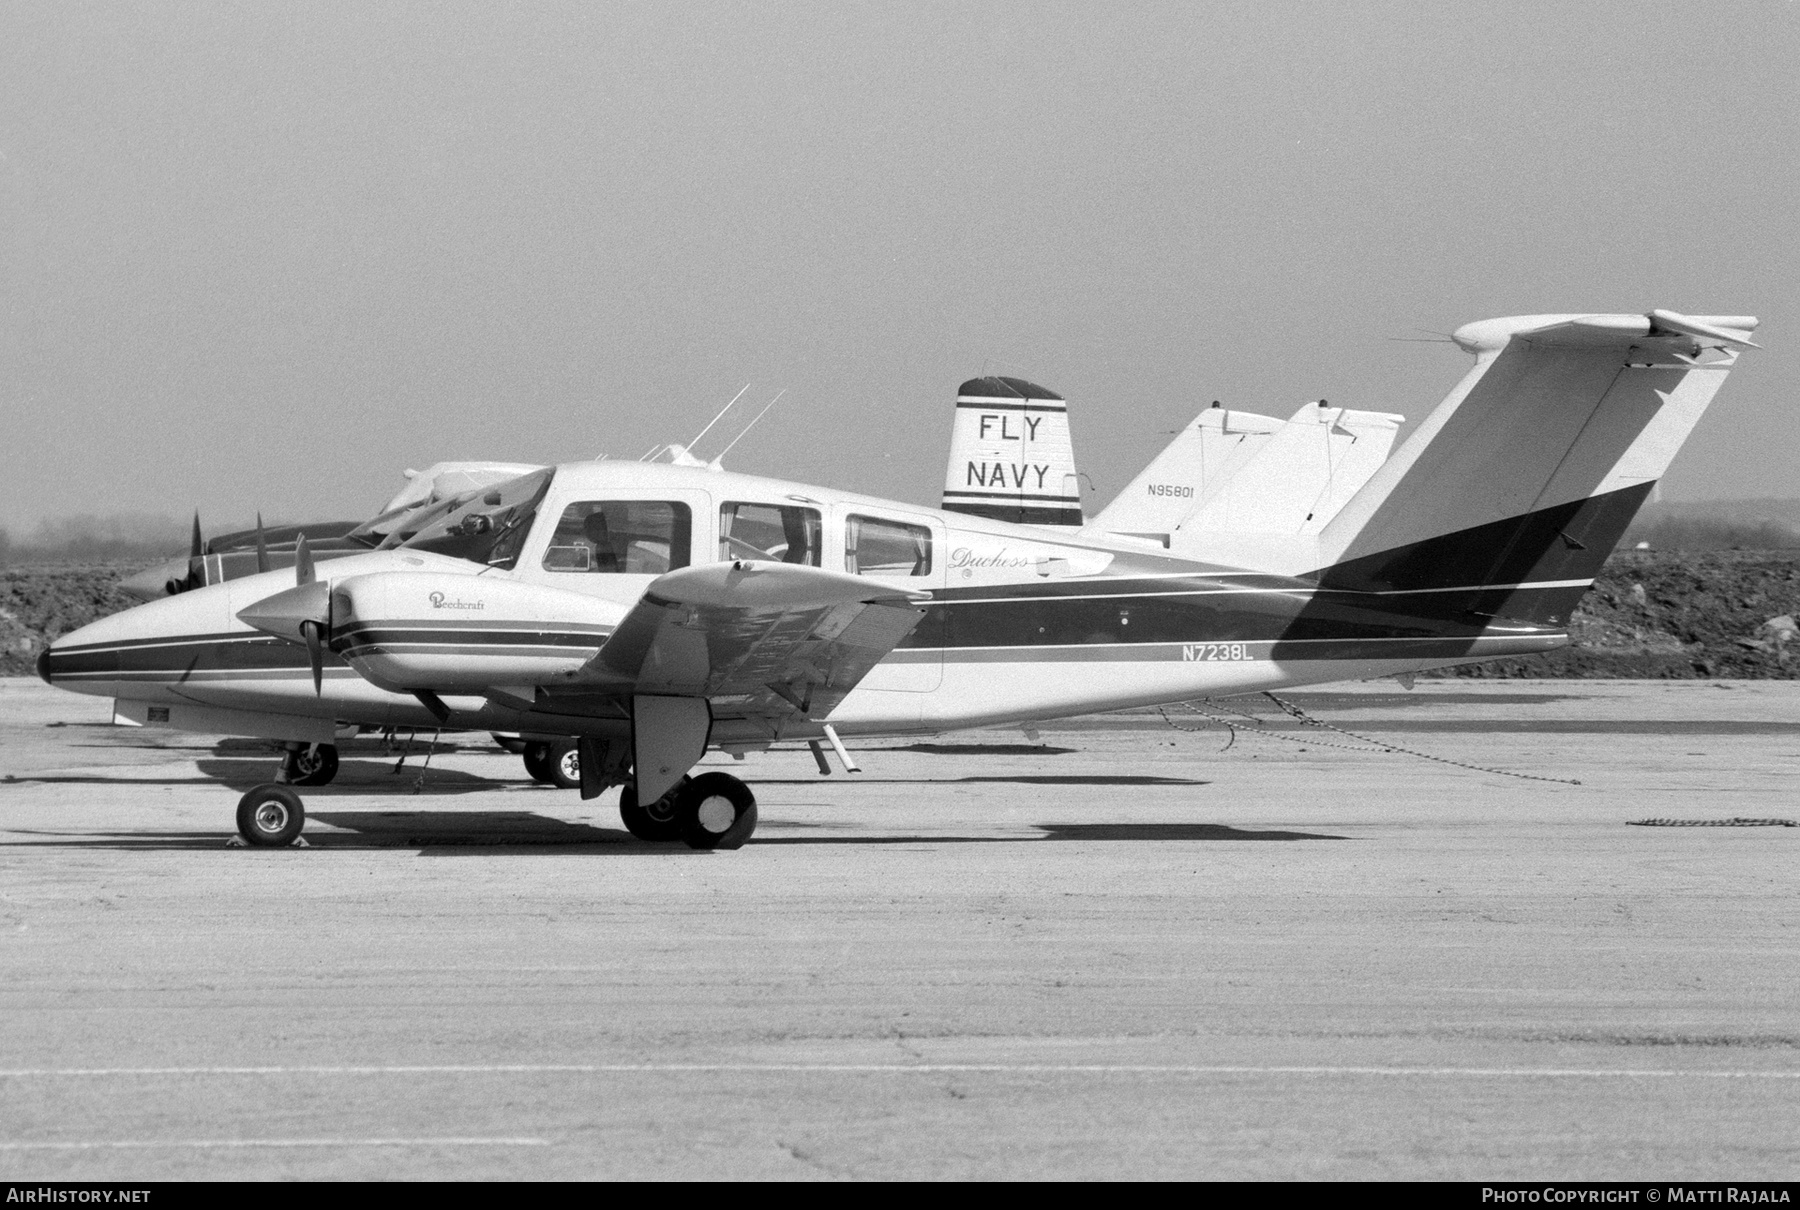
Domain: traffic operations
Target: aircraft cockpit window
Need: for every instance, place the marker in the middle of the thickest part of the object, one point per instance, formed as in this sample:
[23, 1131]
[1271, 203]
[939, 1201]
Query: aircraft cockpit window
[487, 526]
[774, 532]
[873, 547]
[635, 537]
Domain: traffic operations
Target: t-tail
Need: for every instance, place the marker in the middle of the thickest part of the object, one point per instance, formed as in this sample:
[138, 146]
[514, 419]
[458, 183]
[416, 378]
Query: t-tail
[1507, 499]
[1010, 455]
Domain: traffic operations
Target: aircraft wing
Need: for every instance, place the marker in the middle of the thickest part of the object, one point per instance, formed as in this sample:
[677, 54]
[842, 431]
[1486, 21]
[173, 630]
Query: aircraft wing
[753, 638]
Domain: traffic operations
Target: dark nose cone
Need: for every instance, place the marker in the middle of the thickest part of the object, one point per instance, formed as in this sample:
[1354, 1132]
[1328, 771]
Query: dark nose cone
[43, 666]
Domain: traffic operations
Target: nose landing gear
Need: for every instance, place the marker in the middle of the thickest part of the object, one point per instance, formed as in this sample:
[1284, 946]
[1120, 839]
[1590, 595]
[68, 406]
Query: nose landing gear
[270, 817]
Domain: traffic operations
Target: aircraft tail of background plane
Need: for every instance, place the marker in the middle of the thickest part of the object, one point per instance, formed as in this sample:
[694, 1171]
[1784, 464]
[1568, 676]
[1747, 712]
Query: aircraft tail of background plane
[1507, 499]
[1241, 473]
[1190, 470]
[1010, 455]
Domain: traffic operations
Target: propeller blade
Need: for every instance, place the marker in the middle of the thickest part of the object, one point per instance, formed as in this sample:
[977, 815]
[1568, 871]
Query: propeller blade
[196, 564]
[315, 652]
[303, 564]
[262, 546]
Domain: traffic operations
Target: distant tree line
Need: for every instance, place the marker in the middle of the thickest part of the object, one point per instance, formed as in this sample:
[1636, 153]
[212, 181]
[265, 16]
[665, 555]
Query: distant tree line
[91, 538]
[1712, 533]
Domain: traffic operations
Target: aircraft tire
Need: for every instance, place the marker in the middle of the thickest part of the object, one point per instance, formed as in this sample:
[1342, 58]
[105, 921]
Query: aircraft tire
[537, 761]
[270, 817]
[661, 820]
[563, 764]
[313, 766]
[702, 806]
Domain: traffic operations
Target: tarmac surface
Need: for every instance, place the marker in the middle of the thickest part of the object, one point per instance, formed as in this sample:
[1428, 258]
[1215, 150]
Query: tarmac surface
[1125, 950]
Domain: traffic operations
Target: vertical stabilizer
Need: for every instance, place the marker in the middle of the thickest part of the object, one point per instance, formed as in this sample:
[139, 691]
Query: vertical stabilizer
[1299, 478]
[1191, 470]
[1236, 473]
[1510, 495]
[1010, 455]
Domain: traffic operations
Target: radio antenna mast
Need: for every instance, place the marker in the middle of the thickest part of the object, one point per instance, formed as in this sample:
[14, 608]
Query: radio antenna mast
[752, 423]
[703, 432]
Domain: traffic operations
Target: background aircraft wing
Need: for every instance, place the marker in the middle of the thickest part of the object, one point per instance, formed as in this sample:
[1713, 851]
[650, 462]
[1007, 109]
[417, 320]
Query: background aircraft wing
[753, 637]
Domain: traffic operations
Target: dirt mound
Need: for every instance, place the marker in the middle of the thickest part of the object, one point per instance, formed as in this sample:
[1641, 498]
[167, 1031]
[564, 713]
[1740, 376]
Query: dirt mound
[39, 602]
[1657, 615]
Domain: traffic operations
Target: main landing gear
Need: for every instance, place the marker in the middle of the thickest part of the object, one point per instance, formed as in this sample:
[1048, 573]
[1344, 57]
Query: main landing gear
[310, 765]
[711, 811]
[554, 762]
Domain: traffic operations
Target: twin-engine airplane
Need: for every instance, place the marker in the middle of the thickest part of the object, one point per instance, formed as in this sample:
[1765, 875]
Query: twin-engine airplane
[653, 612]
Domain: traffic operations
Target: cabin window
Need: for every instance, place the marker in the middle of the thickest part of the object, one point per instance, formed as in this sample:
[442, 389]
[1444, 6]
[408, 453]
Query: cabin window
[780, 533]
[633, 537]
[874, 547]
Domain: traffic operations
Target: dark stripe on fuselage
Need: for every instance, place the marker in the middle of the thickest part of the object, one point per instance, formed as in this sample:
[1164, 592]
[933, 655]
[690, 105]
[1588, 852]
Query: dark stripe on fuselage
[181, 657]
[362, 636]
[1195, 615]
[1566, 542]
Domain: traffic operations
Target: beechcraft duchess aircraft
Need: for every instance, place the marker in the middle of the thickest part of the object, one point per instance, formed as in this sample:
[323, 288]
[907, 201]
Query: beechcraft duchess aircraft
[653, 612]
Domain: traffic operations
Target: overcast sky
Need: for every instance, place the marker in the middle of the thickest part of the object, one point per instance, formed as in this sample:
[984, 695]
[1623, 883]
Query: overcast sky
[264, 256]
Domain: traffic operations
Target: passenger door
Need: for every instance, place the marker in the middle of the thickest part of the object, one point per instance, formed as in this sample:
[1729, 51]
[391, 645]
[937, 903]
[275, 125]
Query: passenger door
[907, 548]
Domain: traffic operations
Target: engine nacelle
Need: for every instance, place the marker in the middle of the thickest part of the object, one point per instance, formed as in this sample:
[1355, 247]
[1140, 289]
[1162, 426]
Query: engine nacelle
[451, 633]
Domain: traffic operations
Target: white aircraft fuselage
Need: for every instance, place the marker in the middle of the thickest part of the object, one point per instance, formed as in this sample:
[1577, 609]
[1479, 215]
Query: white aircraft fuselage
[1020, 625]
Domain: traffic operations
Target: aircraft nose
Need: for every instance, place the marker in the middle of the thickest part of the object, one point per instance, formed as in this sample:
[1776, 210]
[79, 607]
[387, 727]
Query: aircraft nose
[43, 666]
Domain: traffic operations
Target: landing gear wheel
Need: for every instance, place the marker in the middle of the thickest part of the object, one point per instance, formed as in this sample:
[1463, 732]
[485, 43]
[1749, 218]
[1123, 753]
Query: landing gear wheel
[313, 765]
[717, 811]
[660, 820]
[270, 817]
[564, 764]
[554, 762]
[537, 761]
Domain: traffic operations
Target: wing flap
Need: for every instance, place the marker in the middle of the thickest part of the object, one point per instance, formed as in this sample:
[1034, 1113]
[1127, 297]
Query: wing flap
[754, 638]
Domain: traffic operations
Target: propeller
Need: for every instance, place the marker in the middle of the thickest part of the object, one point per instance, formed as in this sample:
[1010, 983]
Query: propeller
[301, 614]
[196, 573]
[262, 546]
[314, 633]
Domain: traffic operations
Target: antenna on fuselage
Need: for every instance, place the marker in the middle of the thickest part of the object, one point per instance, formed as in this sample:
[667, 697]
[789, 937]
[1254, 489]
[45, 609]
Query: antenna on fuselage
[721, 458]
[709, 426]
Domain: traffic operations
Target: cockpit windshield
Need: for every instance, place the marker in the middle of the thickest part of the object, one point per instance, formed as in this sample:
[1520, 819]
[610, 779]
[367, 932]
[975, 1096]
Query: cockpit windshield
[395, 526]
[487, 526]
